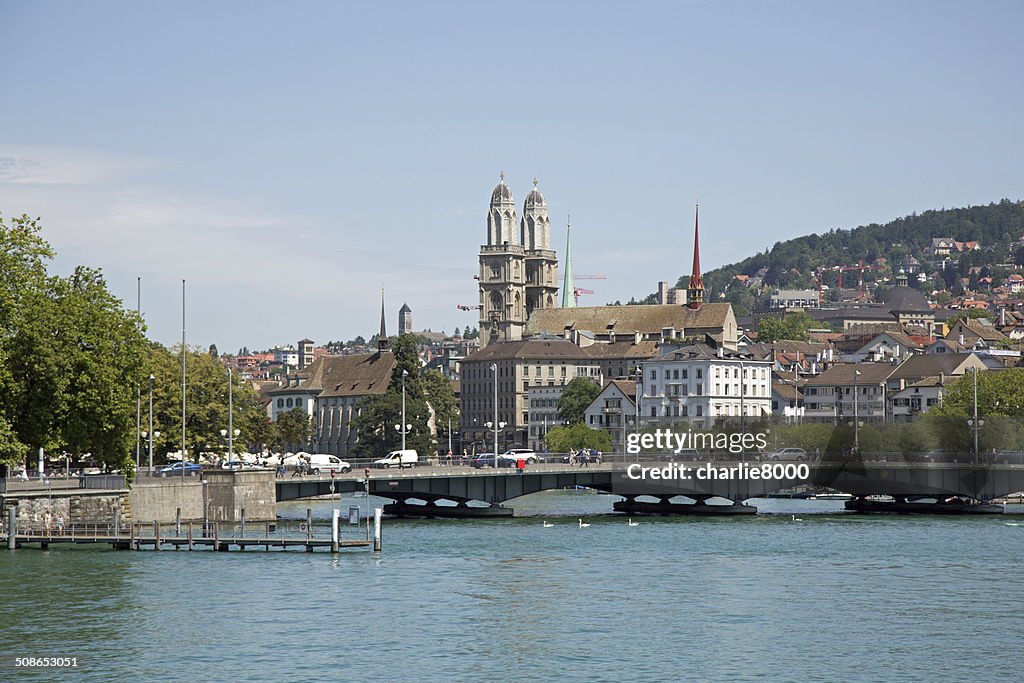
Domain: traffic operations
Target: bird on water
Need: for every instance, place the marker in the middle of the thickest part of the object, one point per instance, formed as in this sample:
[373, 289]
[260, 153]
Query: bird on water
[583, 524]
[547, 524]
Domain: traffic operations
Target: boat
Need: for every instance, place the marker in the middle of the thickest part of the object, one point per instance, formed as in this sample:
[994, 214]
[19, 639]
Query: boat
[832, 496]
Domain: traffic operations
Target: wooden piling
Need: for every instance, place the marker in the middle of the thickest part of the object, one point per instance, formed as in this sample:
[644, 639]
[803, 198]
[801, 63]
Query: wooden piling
[242, 530]
[377, 512]
[190, 535]
[156, 535]
[336, 514]
[12, 528]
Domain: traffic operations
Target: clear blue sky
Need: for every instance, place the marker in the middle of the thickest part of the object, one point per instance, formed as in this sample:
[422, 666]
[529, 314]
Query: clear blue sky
[287, 159]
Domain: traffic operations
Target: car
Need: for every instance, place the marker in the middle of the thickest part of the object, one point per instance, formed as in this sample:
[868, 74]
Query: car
[515, 454]
[401, 458]
[188, 468]
[798, 454]
[488, 460]
[324, 462]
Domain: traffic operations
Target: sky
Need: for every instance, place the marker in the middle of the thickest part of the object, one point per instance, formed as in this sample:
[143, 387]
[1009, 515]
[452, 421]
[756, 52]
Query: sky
[287, 160]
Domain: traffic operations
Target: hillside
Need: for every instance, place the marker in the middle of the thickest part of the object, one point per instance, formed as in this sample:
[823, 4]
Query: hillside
[996, 228]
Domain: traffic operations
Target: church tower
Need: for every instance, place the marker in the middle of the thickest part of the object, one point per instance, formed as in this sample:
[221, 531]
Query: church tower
[695, 290]
[541, 260]
[502, 272]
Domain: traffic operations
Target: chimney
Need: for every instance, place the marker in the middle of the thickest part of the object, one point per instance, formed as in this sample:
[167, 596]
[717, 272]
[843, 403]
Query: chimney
[961, 338]
[720, 352]
[637, 337]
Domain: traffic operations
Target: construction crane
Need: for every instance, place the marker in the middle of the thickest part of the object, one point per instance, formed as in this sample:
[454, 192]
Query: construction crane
[860, 268]
[576, 291]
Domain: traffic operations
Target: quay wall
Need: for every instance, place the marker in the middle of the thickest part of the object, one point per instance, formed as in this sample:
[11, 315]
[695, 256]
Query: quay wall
[156, 500]
[78, 507]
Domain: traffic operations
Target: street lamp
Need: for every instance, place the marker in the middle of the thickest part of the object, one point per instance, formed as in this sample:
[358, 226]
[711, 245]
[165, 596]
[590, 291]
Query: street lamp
[232, 432]
[856, 422]
[494, 369]
[228, 434]
[151, 378]
[405, 373]
[975, 422]
[150, 435]
[496, 426]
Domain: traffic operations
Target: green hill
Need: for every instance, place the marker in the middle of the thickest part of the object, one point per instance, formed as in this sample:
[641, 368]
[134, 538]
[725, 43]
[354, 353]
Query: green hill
[997, 227]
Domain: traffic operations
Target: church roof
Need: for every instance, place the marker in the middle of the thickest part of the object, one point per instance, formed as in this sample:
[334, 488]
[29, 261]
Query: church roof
[501, 194]
[354, 375]
[647, 319]
[906, 299]
[405, 309]
[530, 348]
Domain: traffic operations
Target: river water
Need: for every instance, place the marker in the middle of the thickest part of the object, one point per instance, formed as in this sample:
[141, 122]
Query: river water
[826, 597]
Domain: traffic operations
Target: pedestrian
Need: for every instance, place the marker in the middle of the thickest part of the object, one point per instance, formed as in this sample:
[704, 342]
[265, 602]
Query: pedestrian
[465, 456]
[60, 524]
[47, 521]
[449, 457]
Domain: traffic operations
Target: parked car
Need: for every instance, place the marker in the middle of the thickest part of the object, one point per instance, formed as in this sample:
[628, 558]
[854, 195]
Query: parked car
[488, 460]
[786, 454]
[515, 454]
[190, 469]
[324, 462]
[407, 458]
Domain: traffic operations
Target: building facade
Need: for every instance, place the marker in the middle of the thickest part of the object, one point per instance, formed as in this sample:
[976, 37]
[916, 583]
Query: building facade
[518, 267]
[701, 384]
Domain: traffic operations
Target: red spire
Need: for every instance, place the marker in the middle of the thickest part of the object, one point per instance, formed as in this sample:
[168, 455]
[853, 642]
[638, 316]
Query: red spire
[695, 290]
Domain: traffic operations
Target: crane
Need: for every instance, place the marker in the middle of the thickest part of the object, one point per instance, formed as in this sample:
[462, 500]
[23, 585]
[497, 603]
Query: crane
[576, 291]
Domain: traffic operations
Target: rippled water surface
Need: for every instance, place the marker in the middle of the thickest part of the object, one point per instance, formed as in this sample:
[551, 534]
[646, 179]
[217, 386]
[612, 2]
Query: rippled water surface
[831, 597]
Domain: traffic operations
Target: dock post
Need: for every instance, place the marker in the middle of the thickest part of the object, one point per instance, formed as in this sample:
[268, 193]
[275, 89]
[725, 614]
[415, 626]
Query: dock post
[131, 537]
[156, 535]
[216, 536]
[117, 522]
[12, 528]
[309, 524]
[242, 531]
[190, 535]
[377, 512]
[177, 523]
[335, 514]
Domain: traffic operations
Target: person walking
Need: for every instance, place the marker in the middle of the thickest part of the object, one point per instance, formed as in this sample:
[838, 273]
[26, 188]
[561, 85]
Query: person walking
[48, 521]
[60, 524]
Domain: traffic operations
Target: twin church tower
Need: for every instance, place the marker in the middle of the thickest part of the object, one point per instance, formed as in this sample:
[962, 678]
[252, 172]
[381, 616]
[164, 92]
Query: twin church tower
[519, 269]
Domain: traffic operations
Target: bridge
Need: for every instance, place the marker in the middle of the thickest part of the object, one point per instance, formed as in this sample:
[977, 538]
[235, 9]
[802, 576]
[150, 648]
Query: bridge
[956, 486]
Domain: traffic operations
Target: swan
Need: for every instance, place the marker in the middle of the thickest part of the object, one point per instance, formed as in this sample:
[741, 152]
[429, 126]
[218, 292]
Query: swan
[797, 519]
[632, 523]
[584, 525]
[547, 524]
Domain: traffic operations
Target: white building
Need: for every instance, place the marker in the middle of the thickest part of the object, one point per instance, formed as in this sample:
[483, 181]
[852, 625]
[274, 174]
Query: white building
[286, 355]
[614, 410]
[700, 384]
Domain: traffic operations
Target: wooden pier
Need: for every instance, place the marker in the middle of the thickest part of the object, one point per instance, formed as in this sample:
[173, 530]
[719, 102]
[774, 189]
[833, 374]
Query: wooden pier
[140, 536]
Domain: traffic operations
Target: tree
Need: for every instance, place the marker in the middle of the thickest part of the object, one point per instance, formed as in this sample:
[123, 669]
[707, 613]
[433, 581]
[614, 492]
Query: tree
[70, 356]
[794, 326]
[294, 428]
[378, 415]
[206, 405]
[561, 439]
[576, 397]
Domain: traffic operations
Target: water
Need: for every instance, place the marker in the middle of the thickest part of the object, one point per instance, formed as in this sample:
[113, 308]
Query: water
[832, 597]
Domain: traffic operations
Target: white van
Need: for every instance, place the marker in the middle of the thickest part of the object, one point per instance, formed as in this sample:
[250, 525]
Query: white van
[332, 464]
[406, 458]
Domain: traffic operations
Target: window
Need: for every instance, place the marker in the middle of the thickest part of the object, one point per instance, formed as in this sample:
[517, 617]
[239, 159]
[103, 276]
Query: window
[654, 374]
[654, 412]
[700, 411]
[288, 403]
[700, 390]
[684, 373]
[675, 373]
[280, 403]
[654, 390]
[700, 373]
